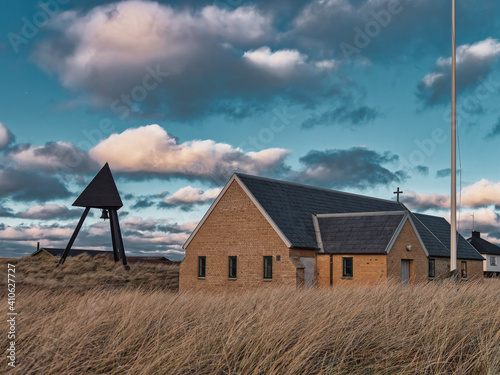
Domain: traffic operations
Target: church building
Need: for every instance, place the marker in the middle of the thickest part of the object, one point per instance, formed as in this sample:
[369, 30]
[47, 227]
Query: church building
[261, 232]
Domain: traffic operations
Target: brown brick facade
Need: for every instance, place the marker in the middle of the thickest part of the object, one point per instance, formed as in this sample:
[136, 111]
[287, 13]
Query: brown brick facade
[474, 268]
[236, 227]
[416, 256]
[367, 269]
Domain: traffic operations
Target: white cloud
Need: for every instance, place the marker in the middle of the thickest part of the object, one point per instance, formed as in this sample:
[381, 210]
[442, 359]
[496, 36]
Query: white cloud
[114, 43]
[5, 136]
[150, 149]
[425, 201]
[485, 220]
[474, 61]
[35, 233]
[49, 211]
[485, 50]
[481, 193]
[327, 64]
[281, 62]
[52, 157]
[189, 195]
[242, 24]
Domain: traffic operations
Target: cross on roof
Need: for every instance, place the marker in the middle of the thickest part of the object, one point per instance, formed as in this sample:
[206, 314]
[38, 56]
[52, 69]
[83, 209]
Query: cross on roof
[398, 192]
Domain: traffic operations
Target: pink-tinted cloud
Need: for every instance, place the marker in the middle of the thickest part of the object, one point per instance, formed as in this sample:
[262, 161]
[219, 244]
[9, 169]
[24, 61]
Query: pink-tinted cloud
[189, 196]
[485, 220]
[50, 211]
[425, 201]
[480, 194]
[150, 149]
[52, 157]
[6, 136]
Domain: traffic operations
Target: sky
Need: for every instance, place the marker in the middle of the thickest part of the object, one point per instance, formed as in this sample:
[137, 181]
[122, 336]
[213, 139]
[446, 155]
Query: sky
[176, 96]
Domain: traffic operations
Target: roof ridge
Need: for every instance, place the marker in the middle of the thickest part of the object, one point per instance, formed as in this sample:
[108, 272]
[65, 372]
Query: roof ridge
[239, 174]
[349, 214]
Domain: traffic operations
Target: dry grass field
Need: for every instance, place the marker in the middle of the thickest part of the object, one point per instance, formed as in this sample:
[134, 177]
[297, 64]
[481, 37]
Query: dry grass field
[97, 326]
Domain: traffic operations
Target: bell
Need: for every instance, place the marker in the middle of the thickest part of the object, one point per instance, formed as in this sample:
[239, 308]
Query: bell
[104, 215]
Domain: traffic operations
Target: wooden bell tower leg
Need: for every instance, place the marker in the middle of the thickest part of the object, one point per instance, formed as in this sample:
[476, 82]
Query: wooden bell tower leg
[73, 237]
[116, 255]
[118, 237]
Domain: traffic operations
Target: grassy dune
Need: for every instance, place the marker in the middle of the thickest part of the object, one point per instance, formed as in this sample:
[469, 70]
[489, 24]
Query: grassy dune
[84, 273]
[429, 329]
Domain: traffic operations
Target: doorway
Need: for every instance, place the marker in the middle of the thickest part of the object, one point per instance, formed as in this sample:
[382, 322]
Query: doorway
[308, 271]
[405, 272]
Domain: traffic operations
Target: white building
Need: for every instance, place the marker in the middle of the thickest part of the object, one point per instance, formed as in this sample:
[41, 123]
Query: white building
[491, 253]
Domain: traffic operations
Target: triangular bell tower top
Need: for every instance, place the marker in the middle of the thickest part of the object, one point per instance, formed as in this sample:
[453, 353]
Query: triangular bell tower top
[101, 192]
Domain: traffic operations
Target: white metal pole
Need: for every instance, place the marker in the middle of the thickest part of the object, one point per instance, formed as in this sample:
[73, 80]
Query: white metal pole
[453, 239]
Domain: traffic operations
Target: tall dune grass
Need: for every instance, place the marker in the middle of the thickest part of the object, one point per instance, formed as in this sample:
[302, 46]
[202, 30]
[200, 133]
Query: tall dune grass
[83, 273]
[429, 329]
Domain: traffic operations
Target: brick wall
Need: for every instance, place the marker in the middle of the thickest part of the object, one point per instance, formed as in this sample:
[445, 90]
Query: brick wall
[474, 268]
[367, 269]
[236, 228]
[418, 260]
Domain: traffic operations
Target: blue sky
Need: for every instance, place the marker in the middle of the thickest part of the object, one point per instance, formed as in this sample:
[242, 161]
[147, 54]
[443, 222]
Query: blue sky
[352, 95]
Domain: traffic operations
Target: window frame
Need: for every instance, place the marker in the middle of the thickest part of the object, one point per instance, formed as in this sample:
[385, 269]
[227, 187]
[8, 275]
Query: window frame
[200, 260]
[432, 268]
[493, 260]
[235, 259]
[344, 267]
[269, 262]
[462, 269]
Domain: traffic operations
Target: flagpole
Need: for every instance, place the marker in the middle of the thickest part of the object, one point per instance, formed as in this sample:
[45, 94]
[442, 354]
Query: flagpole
[453, 242]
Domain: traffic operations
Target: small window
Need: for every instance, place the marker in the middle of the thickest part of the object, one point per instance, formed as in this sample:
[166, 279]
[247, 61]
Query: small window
[432, 268]
[202, 266]
[464, 270]
[493, 261]
[268, 267]
[232, 267]
[347, 267]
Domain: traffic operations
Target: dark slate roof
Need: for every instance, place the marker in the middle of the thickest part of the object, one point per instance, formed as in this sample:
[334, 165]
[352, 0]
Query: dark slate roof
[101, 192]
[367, 234]
[75, 252]
[483, 246]
[435, 233]
[291, 206]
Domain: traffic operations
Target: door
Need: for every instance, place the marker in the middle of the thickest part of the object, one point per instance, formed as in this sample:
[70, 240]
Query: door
[405, 272]
[308, 271]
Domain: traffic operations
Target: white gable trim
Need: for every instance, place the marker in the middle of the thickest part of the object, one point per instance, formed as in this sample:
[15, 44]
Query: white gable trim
[406, 218]
[254, 201]
[207, 214]
[319, 241]
[264, 213]
[396, 233]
